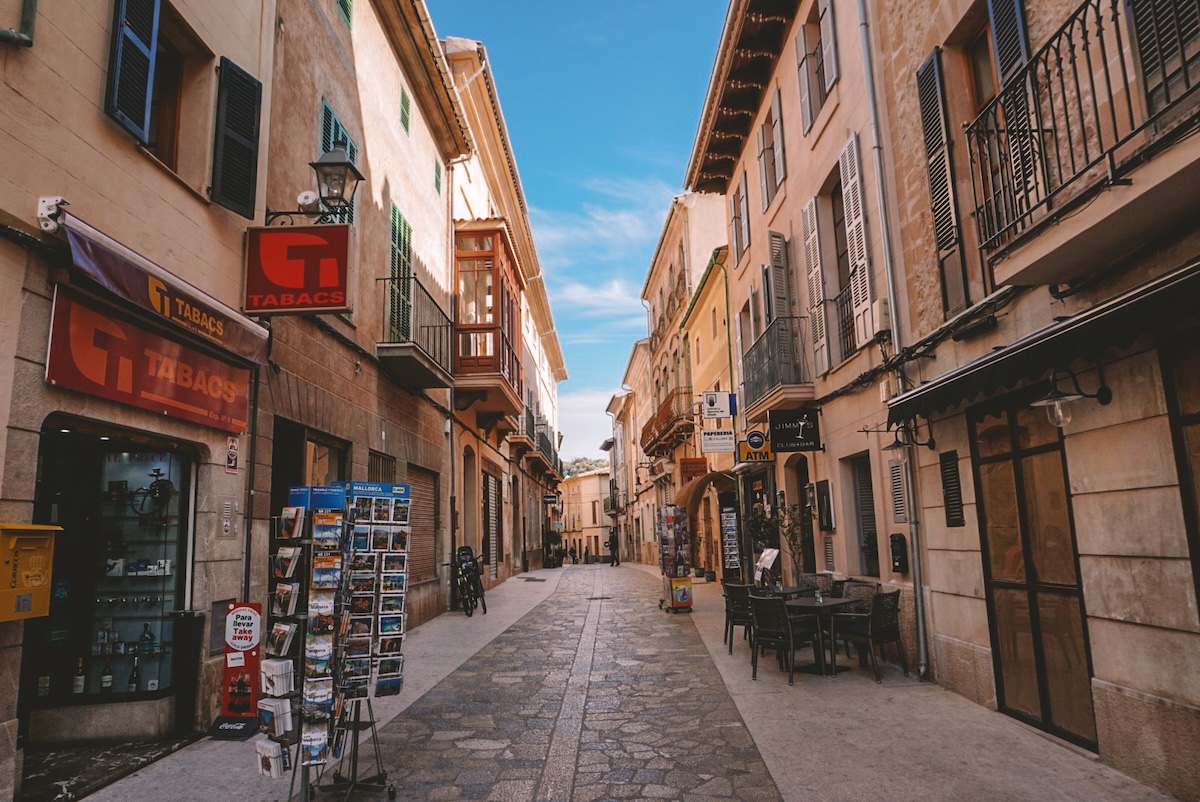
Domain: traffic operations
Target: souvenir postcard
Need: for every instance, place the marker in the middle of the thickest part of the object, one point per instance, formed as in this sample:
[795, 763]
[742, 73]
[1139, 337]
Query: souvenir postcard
[362, 605]
[391, 603]
[399, 540]
[362, 508]
[362, 561]
[361, 625]
[320, 623]
[356, 688]
[360, 540]
[283, 600]
[316, 668]
[393, 583]
[381, 538]
[280, 639]
[356, 667]
[291, 522]
[391, 665]
[388, 686]
[318, 699]
[390, 644]
[357, 647]
[315, 742]
[285, 560]
[362, 584]
[318, 647]
[395, 562]
[321, 603]
[382, 510]
[399, 511]
[327, 530]
[270, 758]
[327, 571]
[391, 625]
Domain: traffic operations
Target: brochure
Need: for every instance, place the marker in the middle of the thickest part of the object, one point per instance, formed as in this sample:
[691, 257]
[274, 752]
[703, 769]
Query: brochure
[280, 639]
[290, 523]
[284, 564]
[283, 600]
[315, 742]
[318, 699]
[327, 571]
[327, 530]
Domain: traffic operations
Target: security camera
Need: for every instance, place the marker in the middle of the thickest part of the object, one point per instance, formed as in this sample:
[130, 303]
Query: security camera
[308, 202]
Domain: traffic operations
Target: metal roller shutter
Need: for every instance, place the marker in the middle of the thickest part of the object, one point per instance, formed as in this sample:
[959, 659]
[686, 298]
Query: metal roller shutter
[422, 541]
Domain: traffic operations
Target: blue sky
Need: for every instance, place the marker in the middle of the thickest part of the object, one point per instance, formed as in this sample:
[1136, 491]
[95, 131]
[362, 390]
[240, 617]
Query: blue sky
[601, 101]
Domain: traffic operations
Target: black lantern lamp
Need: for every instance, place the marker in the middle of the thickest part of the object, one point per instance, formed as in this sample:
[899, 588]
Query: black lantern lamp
[1057, 402]
[337, 181]
[906, 435]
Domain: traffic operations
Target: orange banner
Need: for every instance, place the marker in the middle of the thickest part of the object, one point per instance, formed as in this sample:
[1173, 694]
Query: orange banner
[99, 351]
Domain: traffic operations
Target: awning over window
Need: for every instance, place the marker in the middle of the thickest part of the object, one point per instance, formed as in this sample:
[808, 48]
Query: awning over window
[136, 279]
[1153, 309]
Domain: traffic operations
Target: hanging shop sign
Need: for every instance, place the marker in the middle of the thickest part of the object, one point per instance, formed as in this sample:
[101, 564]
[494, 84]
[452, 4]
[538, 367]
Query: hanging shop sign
[99, 351]
[718, 405]
[692, 468]
[755, 448]
[297, 269]
[166, 296]
[794, 430]
[717, 441]
[660, 468]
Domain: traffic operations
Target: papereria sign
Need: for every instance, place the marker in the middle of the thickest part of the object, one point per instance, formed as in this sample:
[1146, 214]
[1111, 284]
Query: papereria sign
[297, 269]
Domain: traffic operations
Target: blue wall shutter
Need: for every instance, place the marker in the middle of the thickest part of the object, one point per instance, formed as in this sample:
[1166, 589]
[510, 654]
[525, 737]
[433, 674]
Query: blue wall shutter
[235, 152]
[131, 65]
[331, 132]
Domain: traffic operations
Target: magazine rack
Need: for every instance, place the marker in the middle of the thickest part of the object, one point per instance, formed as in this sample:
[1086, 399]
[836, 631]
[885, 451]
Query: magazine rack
[351, 782]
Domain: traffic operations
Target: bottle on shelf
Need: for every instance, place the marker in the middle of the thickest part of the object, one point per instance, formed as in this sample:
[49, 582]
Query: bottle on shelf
[78, 681]
[146, 645]
[106, 676]
[135, 678]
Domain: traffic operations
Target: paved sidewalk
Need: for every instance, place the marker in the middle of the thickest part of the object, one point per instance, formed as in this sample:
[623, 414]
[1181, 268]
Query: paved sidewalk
[580, 688]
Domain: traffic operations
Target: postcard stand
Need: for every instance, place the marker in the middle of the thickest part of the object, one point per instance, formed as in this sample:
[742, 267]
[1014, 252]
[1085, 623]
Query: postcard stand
[352, 782]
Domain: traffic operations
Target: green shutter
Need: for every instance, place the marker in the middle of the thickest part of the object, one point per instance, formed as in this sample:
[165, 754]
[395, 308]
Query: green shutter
[437, 176]
[333, 131]
[347, 7]
[400, 285]
[405, 109]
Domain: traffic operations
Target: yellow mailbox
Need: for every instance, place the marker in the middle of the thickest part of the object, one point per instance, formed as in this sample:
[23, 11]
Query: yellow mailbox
[27, 551]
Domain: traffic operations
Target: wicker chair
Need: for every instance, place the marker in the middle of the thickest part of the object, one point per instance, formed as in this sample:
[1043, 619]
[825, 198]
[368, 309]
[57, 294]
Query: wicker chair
[876, 628]
[821, 582]
[863, 593]
[737, 611]
[837, 587]
[775, 629]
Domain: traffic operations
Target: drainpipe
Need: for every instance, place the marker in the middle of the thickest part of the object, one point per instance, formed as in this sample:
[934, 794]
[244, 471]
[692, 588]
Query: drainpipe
[23, 37]
[889, 273]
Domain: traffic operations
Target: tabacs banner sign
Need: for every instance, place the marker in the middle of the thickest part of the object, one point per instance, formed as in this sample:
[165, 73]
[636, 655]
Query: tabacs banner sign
[755, 448]
[296, 270]
[794, 430]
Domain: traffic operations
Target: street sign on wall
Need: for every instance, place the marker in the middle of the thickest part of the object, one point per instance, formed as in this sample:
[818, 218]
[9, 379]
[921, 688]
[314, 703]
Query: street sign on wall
[794, 430]
[717, 441]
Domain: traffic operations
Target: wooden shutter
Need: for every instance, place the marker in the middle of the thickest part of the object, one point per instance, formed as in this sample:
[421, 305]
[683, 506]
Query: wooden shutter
[943, 201]
[764, 182]
[405, 109]
[1010, 41]
[802, 70]
[347, 7]
[777, 137]
[422, 540]
[735, 227]
[777, 283]
[856, 240]
[1162, 29]
[235, 151]
[744, 209]
[400, 285]
[896, 482]
[829, 44]
[131, 65]
[332, 131]
[952, 499]
[816, 287]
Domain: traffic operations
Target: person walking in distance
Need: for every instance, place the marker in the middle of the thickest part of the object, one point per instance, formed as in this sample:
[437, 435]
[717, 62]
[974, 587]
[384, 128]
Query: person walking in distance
[614, 544]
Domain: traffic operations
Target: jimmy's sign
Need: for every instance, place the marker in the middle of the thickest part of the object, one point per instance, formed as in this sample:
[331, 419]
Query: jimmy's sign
[297, 269]
[794, 430]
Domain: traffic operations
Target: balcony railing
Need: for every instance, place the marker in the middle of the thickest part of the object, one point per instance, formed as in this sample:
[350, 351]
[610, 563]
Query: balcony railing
[487, 350]
[673, 415]
[411, 315]
[777, 358]
[847, 341]
[1083, 111]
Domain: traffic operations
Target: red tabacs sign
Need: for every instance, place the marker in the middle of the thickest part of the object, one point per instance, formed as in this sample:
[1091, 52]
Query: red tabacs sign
[297, 269]
[99, 351]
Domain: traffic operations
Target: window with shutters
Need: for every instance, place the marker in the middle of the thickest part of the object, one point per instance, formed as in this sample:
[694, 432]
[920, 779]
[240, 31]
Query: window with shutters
[1167, 33]
[864, 504]
[405, 110]
[381, 467]
[400, 280]
[437, 176]
[333, 135]
[952, 499]
[816, 58]
[739, 220]
[347, 9]
[943, 199]
[771, 166]
[160, 90]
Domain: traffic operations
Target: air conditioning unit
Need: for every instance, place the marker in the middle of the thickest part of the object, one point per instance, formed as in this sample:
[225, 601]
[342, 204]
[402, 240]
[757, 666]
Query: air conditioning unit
[886, 390]
[882, 315]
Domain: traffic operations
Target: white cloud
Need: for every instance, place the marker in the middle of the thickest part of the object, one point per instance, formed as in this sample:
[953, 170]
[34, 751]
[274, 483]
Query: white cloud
[584, 422]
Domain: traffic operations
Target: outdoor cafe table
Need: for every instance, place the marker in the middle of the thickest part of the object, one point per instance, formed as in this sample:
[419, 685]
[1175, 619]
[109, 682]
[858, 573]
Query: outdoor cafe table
[824, 609]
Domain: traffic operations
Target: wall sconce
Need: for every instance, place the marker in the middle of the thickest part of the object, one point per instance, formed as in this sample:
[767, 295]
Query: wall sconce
[337, 181]
[1056, 401]
[906, 435]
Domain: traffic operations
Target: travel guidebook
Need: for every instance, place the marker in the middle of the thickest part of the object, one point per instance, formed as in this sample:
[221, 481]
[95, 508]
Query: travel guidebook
[284, 563]
[327, 530]
[327, 571]
[280, 639]
[290, 523]
[283, 600]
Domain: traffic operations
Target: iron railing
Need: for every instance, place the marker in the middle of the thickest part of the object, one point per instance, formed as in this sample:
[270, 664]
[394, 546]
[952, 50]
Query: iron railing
[1107, 85]
[847, 339]
[676, 407]
[777, 358]
[411, 315]
[487, 350]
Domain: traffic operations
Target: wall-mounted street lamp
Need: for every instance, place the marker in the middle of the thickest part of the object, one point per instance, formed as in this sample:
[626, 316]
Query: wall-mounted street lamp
[337, 181]
[1056, 401]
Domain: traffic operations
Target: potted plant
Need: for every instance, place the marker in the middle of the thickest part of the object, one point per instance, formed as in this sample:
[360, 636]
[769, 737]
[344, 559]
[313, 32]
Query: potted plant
[795, 529]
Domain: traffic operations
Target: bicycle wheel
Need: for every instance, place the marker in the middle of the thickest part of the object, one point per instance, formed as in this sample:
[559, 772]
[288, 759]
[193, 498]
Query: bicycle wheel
[479, 592]
[468, 598]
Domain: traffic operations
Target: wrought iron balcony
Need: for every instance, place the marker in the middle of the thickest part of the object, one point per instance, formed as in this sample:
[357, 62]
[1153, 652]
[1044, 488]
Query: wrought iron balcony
[776, 367]
[415, 347]
[1104, 96]
[671, 425]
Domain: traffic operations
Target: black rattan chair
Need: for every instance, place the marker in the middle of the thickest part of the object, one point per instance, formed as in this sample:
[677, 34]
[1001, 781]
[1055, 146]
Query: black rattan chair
[775, 629]
[877, 628]
[737, 611]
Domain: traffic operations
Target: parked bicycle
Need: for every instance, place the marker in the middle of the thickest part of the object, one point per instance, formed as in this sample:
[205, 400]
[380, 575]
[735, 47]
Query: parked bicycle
[468, 581]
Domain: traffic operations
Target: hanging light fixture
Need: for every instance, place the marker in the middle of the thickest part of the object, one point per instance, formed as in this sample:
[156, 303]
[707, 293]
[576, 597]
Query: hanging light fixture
[1057, 402]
